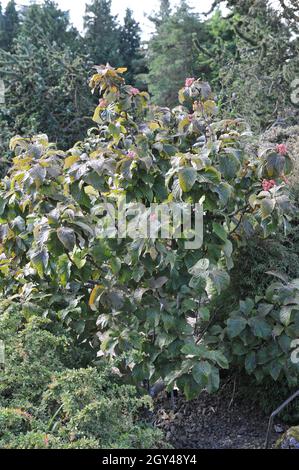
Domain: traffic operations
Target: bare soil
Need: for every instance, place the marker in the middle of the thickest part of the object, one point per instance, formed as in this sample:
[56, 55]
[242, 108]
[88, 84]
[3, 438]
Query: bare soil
[225, 420]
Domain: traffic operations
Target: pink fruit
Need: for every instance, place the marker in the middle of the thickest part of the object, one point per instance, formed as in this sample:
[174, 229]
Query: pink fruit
[189, 82]
[134, 91]
[282, 149]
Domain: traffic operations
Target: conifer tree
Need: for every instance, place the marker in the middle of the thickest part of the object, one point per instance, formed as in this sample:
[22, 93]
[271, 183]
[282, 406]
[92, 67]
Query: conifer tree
[172, 55]
[48, 24]
[39, 93]
[130, 43]
[102, 35]
[9, 24]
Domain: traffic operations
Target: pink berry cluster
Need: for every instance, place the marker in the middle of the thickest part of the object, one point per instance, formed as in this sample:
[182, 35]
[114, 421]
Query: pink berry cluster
[103, 103]
[268, 184]
[281, 149]
[134, 91]
[132, 154]
[189, 82]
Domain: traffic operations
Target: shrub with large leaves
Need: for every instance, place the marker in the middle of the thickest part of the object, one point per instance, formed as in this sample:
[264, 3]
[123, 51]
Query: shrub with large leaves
[262, 334]
[147, 297]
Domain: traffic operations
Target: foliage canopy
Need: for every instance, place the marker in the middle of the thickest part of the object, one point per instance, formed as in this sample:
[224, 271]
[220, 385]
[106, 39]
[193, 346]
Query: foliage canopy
[147, 297]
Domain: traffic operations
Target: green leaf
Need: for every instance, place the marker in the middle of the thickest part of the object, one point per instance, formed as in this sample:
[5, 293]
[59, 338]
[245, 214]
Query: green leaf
[79, 327]
[220, 231]
[262, 356]
[220, 359]
[187, 178]
[284, 342]
[229, 166]
[260, 328]
[40, 262]
[191, 349]
[78, 257]
[200, 267]
[67, 237]
[201, 372]
[204, 314]
[235, 326]
[63, 269]
[214, 380]
[191, 388]
[115, 264]
[164, 339]
[285, 314]
[267, 207]
[264, 309]
[246, 306]
[158, 283]
[275, 165]
[3, 203]
[250, 362]
[220, 279]
[224, 191]
[275, 369]
[212, 175]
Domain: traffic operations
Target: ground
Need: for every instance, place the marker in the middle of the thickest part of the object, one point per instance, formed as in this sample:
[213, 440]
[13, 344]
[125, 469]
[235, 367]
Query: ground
[221, 421]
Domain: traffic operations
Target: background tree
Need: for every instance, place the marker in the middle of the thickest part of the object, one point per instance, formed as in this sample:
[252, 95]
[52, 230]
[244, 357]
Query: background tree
[47, 24]
[48, 52]
[44, 63]
[102, 35]
[2, 20]
[257, 78]
[164, 12]
[172, 55]
[9, 23]
[130, 44]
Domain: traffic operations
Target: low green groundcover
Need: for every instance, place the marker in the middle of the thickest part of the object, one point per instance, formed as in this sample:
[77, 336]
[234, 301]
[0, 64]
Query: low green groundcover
[50, 399]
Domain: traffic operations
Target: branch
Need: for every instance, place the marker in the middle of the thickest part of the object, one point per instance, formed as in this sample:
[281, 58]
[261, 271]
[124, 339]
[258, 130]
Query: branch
[244, 37]
[289, 11]
[201, 49]
[81, 119]
[215, 4]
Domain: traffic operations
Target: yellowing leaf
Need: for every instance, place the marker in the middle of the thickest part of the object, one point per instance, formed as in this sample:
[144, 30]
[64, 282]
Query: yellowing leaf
[22, 163]
[210, 107]
[91, 191]
[22, 142]
[96, 117]
[153, 126]
[182, 96]
[121, 70]
[96, 291]
[43, 139]
[69, 161]
[183, 124]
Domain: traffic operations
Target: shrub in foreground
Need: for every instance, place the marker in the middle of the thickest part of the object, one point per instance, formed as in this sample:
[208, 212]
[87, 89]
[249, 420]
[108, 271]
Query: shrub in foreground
[149, 298]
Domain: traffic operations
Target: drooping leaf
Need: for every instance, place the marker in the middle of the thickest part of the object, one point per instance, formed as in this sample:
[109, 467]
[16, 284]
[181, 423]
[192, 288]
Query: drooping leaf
[40, 261]
[67, 237]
